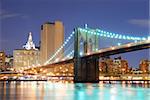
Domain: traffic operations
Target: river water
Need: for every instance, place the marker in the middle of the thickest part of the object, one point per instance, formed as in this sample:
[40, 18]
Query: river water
[46, 90]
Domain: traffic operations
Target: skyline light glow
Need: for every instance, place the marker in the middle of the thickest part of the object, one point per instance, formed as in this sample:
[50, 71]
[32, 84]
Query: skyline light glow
[19, 17]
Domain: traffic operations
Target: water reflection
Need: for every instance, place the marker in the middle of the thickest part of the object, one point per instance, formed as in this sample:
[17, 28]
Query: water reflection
[16, 90]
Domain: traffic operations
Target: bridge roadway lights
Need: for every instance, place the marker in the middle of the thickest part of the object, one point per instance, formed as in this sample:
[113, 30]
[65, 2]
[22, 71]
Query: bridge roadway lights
[86, 70]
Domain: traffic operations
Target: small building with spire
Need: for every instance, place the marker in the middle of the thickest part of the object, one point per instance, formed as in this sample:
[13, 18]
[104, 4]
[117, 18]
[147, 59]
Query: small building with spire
[29, 45]
[28, 56]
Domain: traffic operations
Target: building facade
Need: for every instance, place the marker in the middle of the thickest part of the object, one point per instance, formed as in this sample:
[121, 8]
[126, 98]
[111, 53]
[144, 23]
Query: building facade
[144, 66]
[9, 61]
[113, 66]
[26, 57]
[106, 65]
[52, 37]
[120, 65]
[2, 60]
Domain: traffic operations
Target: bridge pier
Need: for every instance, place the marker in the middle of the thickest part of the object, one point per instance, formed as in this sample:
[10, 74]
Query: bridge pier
[86, 70]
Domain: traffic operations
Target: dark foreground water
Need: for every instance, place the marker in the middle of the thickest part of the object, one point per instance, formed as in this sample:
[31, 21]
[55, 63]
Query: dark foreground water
[70, 91]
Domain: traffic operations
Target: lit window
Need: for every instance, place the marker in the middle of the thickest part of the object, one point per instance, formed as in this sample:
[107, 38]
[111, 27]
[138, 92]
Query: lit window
[1, 54]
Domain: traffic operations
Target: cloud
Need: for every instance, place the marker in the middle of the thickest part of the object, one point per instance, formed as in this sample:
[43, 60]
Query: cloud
[5, 15]
[140, 22]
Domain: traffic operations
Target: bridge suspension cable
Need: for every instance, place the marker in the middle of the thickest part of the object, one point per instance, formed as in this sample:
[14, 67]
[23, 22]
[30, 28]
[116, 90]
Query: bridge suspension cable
[103, 33]
[59, 49]
[98, 32]
[66, 51]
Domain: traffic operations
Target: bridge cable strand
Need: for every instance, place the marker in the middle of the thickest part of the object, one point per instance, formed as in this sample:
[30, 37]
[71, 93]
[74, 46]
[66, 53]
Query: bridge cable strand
[103, 33]
[67, 56]
[71, 53]
[65, 52]
[70, 48]
[61, 47]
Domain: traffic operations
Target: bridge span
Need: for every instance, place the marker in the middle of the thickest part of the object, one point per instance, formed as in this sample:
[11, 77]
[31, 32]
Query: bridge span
[86, 68]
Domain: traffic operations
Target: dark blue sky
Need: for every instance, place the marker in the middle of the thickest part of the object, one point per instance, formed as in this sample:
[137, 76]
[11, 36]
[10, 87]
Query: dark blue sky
[19, 17]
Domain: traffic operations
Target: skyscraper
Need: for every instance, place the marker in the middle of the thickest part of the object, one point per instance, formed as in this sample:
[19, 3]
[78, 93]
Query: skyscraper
[52, 37]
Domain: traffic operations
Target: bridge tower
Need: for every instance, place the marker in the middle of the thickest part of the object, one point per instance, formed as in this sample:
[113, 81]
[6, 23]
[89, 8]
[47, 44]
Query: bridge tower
[86, 69]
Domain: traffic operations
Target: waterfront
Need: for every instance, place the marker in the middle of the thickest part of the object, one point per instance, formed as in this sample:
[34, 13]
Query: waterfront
[62, 90]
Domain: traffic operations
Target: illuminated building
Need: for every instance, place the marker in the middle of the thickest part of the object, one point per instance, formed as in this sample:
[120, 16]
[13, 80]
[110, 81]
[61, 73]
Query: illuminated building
[106, 66]
[29, 56]
[144, 66]
[124, 66]
[2, 60]
[120, 65]
[52, 37]
[116, 66]
[29, 45]
[9, 61]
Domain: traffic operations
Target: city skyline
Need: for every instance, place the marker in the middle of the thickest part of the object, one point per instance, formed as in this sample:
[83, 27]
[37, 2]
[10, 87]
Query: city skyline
[74, 49]
[131, 17]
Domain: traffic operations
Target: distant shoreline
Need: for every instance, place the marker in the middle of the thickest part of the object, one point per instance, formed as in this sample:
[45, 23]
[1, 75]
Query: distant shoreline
[148, 81]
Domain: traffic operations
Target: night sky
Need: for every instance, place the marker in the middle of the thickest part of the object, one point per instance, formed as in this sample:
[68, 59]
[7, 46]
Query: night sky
[19, 17]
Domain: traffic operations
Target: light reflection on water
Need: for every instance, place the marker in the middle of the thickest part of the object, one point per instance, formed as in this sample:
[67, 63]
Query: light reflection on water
[70, 91]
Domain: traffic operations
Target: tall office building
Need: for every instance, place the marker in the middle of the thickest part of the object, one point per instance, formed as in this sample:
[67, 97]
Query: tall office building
[52, 37]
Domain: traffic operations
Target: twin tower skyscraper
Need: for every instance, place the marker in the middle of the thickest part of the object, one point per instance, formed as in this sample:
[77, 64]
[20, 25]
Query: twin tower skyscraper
[52, 37]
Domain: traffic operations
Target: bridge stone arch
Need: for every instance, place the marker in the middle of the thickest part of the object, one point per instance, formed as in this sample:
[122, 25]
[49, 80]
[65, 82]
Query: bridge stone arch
[85, 69]
[90, 41]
